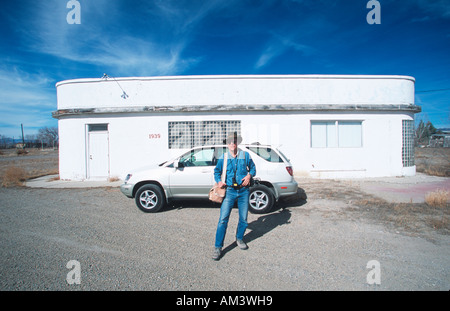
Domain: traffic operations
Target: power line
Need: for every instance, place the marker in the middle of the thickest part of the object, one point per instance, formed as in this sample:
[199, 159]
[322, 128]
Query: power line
[428, 91]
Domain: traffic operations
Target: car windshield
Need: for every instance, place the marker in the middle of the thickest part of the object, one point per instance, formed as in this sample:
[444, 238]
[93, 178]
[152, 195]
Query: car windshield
[200, 157]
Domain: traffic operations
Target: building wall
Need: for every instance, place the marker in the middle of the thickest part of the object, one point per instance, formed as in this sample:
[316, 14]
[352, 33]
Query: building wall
[141, 140]
[139, 137]
[236, 90]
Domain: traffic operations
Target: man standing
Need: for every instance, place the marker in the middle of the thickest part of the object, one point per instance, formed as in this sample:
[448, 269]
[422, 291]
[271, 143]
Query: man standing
[240, 169]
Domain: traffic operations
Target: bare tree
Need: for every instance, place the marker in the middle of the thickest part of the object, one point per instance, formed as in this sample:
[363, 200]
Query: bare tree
[3, 141]
[48, 135]
[424, 132]
[31, 141]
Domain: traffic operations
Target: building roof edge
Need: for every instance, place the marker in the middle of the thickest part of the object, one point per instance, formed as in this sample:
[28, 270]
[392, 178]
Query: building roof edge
[213, 77]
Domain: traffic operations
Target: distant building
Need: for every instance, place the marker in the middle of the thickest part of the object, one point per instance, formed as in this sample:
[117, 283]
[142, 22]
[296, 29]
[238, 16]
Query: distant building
[330, 126]
[440, 140]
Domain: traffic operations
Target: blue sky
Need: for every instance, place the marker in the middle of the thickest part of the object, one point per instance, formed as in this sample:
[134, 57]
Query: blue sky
[196, 37]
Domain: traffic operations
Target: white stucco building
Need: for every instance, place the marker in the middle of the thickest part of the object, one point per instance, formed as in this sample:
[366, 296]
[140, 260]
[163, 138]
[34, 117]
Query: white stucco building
[330, 126]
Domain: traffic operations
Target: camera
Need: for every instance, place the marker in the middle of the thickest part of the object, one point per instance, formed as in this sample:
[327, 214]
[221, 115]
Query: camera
[234, 183]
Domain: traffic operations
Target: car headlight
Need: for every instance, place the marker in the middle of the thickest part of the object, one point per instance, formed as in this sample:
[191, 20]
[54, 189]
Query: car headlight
[128, 177]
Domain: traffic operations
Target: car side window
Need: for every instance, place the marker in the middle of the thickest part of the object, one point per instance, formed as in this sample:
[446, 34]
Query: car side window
[267, 154]
[199, 157]
[218, 152]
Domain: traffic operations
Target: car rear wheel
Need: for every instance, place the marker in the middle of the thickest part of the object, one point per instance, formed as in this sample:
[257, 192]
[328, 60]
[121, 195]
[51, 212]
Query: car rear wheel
[149, 198]
[261, 199]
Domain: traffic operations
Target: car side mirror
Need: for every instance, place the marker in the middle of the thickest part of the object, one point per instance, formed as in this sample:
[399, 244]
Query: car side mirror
[178, 164]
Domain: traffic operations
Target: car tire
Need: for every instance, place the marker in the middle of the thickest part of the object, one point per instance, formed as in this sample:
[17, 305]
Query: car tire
[149, 198]
[261, 199]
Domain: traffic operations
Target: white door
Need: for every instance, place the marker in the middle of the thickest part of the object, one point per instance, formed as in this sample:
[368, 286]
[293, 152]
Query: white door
[98, 155]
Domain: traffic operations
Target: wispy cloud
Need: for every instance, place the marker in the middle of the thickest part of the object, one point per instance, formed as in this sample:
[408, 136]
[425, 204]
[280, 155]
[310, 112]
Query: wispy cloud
[113, 37]
[171, 37]
[25, 98]
[438, 8]
[431, 10]
[279, 45]
[99, 41]
[29, 90]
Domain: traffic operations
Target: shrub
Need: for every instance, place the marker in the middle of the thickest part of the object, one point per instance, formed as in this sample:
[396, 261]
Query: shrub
[21, 151]
[438, 198]
[14, 176]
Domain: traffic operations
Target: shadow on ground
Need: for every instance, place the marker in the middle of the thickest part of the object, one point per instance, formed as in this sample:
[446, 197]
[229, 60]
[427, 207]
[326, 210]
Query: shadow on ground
[266, 223]
[261, 226]
[295, 200]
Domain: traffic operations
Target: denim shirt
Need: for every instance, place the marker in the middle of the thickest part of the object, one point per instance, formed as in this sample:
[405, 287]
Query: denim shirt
[242, 165]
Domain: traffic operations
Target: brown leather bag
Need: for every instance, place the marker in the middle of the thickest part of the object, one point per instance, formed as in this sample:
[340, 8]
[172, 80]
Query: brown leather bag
[217, 194]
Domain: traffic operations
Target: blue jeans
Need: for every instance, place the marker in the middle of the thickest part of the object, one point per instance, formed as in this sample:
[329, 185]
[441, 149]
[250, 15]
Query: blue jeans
[242, 198]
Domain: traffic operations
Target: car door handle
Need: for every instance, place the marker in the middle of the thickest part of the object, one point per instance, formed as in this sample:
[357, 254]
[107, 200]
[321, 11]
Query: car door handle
[206, 170]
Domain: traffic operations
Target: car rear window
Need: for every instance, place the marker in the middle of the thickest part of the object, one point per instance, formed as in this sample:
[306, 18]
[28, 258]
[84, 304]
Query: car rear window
[267, 154]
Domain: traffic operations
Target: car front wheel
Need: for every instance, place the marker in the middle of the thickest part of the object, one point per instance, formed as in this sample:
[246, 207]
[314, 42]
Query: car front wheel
[149, 198]
[261, 199]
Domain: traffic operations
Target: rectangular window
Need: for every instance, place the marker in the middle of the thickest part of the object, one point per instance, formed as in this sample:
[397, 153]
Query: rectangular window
[350, 134]
[97, 127]
[188, 134]
[408, 143]
[336, 134]
[323, 134]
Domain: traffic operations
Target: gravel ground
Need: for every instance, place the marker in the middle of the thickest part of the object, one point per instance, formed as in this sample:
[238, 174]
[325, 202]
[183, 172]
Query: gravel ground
[323, 242]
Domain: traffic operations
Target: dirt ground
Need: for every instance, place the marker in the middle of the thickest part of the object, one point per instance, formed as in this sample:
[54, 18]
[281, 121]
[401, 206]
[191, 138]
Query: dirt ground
[400, 201]
[397, 202]
[433, 161]
[320, 239]
[363, 199]
[33, 162]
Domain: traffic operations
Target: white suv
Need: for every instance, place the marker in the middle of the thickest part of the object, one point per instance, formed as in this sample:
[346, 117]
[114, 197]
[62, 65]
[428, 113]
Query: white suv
[191, 175]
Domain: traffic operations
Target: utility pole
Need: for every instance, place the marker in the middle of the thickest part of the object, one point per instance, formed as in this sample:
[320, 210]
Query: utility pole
[23, 138]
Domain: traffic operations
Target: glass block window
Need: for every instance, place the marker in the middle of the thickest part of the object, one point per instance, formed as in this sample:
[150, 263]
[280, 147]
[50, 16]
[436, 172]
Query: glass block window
[188, 134]
[408, 143]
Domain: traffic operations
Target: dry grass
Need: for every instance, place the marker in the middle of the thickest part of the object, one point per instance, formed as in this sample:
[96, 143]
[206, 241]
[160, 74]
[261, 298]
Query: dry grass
[412, 217]
[22, 152]
[14, 176]
[15, 169]
[54, 178]
[433, 161]
[113, 179]
[431, 170]
[438, 198]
